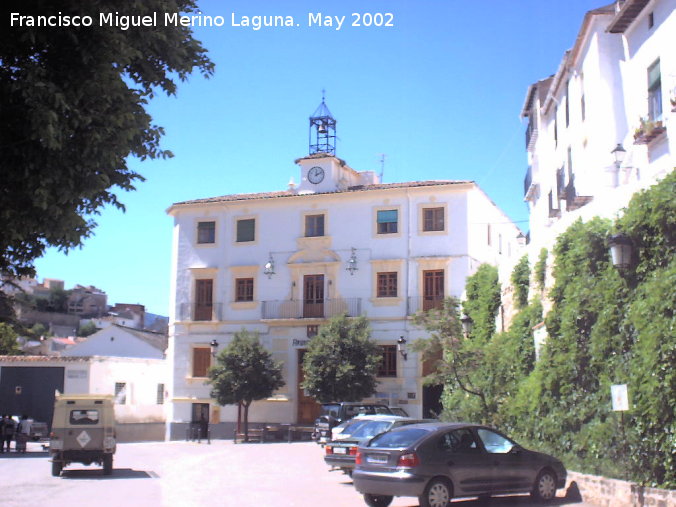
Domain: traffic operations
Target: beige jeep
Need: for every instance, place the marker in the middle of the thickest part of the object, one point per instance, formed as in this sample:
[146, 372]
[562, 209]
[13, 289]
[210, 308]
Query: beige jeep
[83, 431]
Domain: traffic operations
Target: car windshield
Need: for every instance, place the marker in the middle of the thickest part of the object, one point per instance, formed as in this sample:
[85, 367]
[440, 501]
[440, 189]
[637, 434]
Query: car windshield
[371, 428]
[331, 410]
[398, 439]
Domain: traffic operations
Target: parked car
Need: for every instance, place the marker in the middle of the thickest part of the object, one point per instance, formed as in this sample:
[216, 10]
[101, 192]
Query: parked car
[332, 414]
[346, 428]
[340, 454]
[440, 461]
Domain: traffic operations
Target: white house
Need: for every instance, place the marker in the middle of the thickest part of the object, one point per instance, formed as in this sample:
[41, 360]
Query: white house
[281, 263]
[598, 129]
[120, 341]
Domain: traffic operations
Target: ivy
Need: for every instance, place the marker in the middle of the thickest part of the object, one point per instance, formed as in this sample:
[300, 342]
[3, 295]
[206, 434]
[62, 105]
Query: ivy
[520, 281]
[540, 270]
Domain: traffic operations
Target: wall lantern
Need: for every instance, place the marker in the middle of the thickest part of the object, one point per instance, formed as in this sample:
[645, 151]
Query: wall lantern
[621, 250]
[467, 324]
[352, 262]
[618, 153]
[269, 267]
[214, 347]
[401, 347]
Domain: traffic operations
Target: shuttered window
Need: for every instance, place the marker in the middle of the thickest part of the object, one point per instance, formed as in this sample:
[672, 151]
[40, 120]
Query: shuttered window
[433, 219]
[244, 289]
[201, 360]
[388, 221]
[387, 285]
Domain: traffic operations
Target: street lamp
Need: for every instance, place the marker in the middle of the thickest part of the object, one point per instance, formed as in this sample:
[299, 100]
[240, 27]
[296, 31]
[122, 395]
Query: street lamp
[401, 347]
[352, 262]
[621, 251]
[214, 347]
[467, 324]
[618, 153]
[269, 267]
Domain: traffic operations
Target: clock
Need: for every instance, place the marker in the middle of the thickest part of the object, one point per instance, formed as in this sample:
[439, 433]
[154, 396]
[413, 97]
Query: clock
[315, 174]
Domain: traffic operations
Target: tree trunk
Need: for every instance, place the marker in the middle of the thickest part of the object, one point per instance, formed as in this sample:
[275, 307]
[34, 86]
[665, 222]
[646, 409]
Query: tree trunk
[246, 420]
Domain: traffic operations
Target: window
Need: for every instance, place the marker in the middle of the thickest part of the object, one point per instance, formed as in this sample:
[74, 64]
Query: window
[556, 127]
[120, 393]
[206, 232]
[387, 285]
[246, 230]
[160, 394]
[244, 289]
[84, 417]
[387, 221]
[433, 289]
[314, 226]
[651, 20]
[201, 360]
[388, 367]
[433, 219]
[204, 299]
[488, 234]
[494, 442]
[582, 104]
[654, 92]
[312, 331]
[459, 441]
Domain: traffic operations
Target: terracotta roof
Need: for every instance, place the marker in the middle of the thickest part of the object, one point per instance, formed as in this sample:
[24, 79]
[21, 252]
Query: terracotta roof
[42, 359]
[157, 340]
[356, 188]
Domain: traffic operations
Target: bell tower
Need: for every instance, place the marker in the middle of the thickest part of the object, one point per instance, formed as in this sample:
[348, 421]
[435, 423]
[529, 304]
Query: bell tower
[322, 130]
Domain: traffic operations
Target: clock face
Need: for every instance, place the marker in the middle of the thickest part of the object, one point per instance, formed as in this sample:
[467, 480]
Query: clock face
[315, 174]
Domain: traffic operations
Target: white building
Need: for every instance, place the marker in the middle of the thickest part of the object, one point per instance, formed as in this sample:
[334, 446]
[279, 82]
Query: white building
[616, 88]
[277, 263]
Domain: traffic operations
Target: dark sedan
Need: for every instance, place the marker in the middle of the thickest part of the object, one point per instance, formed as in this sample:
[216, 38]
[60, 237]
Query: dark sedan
[340, 454]
[440, 461]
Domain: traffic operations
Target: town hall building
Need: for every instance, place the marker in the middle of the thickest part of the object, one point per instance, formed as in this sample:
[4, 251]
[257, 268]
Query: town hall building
[282, 263]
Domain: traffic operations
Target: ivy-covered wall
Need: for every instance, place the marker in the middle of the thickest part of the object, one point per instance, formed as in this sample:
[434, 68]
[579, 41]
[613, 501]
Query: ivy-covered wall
[605, 327]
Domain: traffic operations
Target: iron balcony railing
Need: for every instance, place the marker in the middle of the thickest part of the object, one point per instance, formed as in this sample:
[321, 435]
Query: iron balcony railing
[300, 309]
[200, 312]
[424, 303]
[527, 180]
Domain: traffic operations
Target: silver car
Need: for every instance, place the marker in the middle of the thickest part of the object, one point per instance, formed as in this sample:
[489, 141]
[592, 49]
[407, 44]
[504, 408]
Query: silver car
[440, 461]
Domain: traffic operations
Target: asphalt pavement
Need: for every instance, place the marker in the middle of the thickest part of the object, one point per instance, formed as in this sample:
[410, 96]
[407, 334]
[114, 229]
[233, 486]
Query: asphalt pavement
[168, 474]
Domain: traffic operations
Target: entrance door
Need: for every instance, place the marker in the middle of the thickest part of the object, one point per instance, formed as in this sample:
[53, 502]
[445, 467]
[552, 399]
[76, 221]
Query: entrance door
[433, 289]
[308, 408]
[204, 299]
[313, 294]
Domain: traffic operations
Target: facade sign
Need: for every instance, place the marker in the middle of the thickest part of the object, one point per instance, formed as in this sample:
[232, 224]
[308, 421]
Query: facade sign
[620, 397]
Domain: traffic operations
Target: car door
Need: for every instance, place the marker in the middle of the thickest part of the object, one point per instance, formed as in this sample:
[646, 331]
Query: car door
[511, 468]
[464, 461]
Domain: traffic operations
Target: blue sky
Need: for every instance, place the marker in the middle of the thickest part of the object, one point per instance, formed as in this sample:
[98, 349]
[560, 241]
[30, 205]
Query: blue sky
[439, 93]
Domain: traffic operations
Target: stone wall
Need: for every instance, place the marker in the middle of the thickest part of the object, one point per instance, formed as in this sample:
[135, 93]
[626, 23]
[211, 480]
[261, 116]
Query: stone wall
[615, 493]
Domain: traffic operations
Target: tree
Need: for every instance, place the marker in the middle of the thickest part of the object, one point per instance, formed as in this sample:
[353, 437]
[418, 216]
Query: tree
[341, 361]
[72, 102]
[244, 372]
[8, 344]
[87, 329]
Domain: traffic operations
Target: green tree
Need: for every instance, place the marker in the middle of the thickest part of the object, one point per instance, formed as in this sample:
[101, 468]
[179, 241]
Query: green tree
[73, 112]
[482, 301]
[87, 329]
[244, 372]
[8, 343]
[521, 281]
[342, 361]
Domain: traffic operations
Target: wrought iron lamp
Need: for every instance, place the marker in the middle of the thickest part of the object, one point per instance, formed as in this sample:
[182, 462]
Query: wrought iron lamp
[618, 153]
[401, 347]
[214, 347]
[467, 324]
[621, 251]
[352, 262]
[269, 267]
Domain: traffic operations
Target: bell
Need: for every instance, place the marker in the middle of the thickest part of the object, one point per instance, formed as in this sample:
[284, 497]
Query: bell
[322, 128]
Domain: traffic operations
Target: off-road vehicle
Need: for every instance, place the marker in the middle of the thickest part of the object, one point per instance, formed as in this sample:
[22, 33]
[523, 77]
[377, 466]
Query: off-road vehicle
[83, 431]
[333, 414]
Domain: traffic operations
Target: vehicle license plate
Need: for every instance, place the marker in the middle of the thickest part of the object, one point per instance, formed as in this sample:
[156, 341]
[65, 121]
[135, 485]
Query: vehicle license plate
[339, 450]
[376, 458]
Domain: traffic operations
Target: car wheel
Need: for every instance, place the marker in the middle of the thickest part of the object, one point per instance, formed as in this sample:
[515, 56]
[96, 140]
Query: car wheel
[545, 486]
[57, 466]
[438, 493]
[377, 500]
[107, 464]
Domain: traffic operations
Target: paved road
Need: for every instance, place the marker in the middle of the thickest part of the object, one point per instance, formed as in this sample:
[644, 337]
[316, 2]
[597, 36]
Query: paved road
[168, 474]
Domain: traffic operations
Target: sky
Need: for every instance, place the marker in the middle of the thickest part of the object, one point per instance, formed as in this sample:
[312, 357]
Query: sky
[439, 93]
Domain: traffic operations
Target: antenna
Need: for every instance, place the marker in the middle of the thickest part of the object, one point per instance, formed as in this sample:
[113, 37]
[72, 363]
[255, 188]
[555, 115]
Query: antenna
[382, 167]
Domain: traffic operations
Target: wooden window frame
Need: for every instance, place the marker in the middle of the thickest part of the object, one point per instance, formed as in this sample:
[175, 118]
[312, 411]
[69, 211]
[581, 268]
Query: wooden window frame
[201, 362]
[239, 233]
[391, 227]
[388, 366]
[315, 225]
[433, 216]
[244, 289]
[206, 232]
[387, 284]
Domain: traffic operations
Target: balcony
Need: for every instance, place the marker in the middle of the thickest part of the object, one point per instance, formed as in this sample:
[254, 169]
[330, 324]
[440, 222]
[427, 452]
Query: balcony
[300, 309]
[424, 304]
[648, 131]
[531, 134]
[200, 312]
